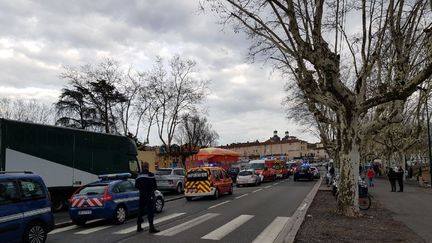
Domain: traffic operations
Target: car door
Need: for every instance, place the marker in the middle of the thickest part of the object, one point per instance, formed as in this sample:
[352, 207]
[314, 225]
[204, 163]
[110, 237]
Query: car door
[227, 181]
[11, 215]
[123, 193]
[133, 196]
[179, 176]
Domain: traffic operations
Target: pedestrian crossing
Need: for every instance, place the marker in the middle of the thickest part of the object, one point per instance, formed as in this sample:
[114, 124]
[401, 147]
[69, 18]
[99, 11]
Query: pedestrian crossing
[268, 233]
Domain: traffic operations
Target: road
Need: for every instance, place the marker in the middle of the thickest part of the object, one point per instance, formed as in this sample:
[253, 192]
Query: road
[251, 213]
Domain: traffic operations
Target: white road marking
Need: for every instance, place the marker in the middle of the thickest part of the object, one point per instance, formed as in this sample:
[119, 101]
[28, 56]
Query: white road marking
[222, 203]
[146, 224]
[267, 187]
[227, 228]
[244, 195]
[92, 230]
[257, 190]
[187, 225]
[59, 230]
[275, 184]
[270, 233]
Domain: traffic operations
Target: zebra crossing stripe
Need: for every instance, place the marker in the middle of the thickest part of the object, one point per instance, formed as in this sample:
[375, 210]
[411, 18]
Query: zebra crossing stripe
[272, 231]
[217, 205]
[59, 230]
[146, 224]
[92, 230]
[227, 228]
[187, 225]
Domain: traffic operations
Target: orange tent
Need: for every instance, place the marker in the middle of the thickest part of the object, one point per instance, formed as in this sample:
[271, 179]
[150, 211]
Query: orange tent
[217, 155]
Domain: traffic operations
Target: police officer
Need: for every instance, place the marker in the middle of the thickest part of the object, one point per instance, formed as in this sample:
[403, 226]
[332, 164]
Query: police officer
[146, 184]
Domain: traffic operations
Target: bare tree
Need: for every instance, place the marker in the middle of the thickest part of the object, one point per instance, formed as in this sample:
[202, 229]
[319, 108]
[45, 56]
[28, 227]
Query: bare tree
[386, 59]
[26, 110]
[175, 90]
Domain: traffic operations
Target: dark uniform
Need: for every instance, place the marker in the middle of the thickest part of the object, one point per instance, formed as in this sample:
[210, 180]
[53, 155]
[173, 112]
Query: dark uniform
[392, 178]
[400, 174]
[146, 184]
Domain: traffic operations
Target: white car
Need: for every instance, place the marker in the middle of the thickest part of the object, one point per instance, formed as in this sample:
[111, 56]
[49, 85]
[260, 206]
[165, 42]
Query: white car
[172, 179]
[248, 177]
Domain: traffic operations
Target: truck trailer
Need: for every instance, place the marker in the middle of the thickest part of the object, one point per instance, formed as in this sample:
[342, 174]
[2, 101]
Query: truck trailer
[65, 158]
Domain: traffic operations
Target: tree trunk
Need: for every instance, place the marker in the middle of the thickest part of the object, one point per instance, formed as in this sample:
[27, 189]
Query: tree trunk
[349, 168]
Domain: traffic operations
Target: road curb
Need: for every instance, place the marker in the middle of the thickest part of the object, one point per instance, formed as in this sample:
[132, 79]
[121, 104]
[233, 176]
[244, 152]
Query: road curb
[291, 228]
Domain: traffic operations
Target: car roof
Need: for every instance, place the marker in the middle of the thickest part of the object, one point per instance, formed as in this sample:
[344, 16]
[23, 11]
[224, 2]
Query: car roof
[19, 175]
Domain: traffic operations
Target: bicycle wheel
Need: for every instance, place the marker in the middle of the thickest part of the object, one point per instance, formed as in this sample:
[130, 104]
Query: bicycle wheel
[365, 202]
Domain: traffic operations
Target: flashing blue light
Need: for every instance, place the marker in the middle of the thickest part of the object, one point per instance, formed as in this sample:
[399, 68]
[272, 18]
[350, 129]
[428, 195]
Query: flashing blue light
[114, 176]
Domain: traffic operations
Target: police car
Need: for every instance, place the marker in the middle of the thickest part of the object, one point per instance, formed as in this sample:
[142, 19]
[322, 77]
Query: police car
[25, 208]
[113, 197]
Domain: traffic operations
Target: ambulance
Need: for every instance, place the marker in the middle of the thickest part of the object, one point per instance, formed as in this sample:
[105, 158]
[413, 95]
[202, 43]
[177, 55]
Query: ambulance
[264, 168]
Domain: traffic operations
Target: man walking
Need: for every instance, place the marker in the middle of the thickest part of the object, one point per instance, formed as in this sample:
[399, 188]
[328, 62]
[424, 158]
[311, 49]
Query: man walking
[146, 184]
[400, 174]
[392, 178]
[370, 174]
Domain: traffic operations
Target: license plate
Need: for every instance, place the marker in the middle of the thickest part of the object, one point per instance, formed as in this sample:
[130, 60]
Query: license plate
[301, 173]
[85, 212]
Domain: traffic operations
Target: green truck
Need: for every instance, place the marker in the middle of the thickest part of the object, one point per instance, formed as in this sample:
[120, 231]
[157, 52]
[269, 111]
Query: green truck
[65, 158]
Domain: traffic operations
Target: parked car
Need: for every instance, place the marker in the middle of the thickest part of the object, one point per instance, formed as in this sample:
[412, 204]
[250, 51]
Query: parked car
[113, 197]
[170, 179]
[233, 172]
[315, 172]
[291, 166]
[303, 172]
[207, 181]
[25, 208]
[264, 168]
[248, 177]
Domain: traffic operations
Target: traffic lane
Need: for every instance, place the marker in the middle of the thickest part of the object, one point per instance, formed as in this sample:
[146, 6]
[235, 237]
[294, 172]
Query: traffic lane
[251, 213]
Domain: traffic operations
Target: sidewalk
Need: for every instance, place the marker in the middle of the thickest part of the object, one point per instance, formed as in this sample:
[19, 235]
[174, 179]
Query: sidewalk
[413, 206]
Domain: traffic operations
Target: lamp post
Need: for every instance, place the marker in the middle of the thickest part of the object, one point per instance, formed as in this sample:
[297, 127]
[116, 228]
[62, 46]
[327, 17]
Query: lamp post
[428, 131]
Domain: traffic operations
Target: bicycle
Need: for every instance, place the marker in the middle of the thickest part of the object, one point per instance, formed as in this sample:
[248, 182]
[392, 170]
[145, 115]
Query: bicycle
[365, 202]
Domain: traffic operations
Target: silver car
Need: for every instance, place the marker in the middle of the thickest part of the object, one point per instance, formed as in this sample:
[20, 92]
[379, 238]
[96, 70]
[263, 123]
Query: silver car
[170, 179]
[248, 177]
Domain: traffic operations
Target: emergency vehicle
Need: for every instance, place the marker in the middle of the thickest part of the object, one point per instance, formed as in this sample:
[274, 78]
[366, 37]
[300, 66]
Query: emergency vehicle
[113, 197]
[264, 168]
[280, 169]
[207, 181]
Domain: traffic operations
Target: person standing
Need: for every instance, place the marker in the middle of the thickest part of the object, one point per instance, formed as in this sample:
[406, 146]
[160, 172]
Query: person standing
[392, 178]
[146, 184]
[370, 174]
[400, 174]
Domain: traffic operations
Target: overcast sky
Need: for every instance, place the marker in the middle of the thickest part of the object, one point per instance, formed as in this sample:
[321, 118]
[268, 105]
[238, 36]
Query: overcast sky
[39, 38]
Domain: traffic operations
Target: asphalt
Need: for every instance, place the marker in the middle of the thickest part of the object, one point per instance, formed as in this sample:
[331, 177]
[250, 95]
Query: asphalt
[413, 206]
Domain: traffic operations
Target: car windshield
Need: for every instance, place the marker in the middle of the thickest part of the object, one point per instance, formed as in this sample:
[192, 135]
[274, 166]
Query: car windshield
[92, 190]
[257, 166]
[245, 173]
[163, 172]
[197, 175]
[233, 170]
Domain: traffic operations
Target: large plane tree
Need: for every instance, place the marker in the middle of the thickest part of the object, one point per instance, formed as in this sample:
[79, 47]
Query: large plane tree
[346, 57]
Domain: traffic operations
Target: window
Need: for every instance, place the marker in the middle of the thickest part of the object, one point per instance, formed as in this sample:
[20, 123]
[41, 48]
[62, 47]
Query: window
[31, 190]
[163, 172]
[125, 186]
[179, 172]
[217, 174]
[133, 166]
[8, 192]
[92, 190]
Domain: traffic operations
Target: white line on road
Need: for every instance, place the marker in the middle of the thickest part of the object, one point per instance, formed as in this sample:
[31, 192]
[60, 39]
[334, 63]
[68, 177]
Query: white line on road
[187, 225]
[267, 187]
[275, 184]
[244, 195]
[257, 190]
[271, 232]
[59, 230]
[222, 203]
[303, 207]
[146, 224]
[92, 230]
[227, 228]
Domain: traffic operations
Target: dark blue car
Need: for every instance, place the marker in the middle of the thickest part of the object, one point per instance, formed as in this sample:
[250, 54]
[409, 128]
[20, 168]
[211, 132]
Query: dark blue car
[113, 197]
[25, 208]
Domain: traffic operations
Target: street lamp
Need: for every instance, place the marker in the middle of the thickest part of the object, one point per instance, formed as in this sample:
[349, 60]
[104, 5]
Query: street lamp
[428, 131]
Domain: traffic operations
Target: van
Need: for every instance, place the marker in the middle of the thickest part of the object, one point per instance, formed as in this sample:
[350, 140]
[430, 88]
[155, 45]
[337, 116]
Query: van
[264, 168]
[25, 208]
[207, 181]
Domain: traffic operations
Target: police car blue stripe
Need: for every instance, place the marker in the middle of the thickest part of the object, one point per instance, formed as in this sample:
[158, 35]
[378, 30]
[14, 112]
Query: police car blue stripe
[24, 215]
[126, 199]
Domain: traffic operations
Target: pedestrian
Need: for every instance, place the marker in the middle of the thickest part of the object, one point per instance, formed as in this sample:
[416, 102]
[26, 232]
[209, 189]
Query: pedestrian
[392, 178]
[400, 174]
[370, 174]
[146, 184]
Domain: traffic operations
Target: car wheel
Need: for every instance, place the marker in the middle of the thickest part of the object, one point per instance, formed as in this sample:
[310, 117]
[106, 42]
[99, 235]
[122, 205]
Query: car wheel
[179, 189]
[159, 204]
[58, 205]
[216, 194]
[189, 198]
[231, 190]
[120, 215]
[36, 232]
[79, 222]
